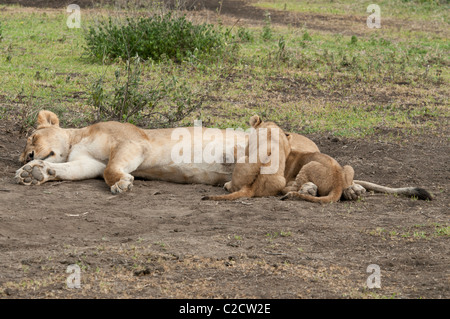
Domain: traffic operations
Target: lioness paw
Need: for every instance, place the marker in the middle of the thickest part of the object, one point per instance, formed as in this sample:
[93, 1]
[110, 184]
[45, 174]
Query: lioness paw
[124, 185]
[308, 189]
[353, 192]
[34, 173]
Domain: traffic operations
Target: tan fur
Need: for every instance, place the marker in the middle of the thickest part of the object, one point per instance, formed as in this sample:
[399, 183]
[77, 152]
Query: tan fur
[323, 171]
[248, 179]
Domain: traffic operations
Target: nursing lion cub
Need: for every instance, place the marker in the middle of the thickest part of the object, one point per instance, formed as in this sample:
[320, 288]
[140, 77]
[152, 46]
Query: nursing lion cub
[260, 172]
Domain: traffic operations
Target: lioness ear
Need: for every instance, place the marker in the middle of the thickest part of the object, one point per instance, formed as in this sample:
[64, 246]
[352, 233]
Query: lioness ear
[46, 119]
[255, 121]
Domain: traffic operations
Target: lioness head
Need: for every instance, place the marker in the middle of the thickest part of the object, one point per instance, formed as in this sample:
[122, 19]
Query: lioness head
[49, 142]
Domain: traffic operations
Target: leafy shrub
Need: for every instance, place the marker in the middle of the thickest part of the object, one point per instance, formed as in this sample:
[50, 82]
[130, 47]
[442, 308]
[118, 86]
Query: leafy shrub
[245, 35]
[306, 36]
[155, 38]
[267, 28]
[159, 104]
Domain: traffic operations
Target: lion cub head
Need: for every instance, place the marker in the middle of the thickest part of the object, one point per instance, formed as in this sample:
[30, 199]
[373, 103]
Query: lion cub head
[272, 145]
[260, 172]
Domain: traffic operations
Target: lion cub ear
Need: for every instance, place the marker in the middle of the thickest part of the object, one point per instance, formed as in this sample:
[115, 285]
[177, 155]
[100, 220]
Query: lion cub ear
[47, 119]
[288, 136]
[255, 121]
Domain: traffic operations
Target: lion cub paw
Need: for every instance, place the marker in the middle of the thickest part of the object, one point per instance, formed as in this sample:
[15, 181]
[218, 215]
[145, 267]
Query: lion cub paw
[124, 185]
[289, 195]
[227, 186]
[353, 192]
[308, 189]
[34, 173]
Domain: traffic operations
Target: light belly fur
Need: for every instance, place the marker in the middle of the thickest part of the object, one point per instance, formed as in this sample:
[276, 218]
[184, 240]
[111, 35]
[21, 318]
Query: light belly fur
[159, 164]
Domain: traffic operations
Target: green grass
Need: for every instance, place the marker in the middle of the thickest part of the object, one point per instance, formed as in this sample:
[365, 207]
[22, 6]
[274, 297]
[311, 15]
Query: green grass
[415, 232]
[305, 80]
[405, 9]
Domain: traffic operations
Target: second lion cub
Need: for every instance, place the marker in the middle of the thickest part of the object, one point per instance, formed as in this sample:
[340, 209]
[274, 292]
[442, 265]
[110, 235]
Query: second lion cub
[318, 175]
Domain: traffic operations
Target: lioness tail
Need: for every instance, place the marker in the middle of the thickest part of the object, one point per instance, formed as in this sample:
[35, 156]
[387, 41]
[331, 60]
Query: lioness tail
[418, 192]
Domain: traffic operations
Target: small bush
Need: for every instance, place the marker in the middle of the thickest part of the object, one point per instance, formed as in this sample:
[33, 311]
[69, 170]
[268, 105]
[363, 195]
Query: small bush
[306, 36]
[245, 35]
[267, 33]
[154, 38]
[160, 104]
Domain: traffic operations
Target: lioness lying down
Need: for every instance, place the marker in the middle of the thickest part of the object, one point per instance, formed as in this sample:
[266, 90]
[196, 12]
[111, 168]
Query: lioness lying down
[119, 152]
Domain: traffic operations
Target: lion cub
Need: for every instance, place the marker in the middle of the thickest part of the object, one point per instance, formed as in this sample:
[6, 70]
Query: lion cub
[260, 172]
[318, 174]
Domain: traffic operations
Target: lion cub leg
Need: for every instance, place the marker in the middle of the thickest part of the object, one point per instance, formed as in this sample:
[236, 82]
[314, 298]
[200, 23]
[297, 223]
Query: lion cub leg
[351, 190]
[121, 164]
[290, 187]
[309, 177]
[244, 173]
[303, 183]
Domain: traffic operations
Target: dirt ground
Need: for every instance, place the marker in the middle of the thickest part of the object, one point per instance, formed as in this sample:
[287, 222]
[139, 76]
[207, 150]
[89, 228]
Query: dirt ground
[162, 241]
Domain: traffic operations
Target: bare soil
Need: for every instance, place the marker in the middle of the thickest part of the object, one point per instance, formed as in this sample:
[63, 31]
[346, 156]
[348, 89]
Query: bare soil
[162, 241]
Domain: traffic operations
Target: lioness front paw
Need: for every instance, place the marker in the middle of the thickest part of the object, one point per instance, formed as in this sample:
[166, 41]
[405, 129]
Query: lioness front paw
[353, 192]
[34, 173]
[308, 189]
[124, 185]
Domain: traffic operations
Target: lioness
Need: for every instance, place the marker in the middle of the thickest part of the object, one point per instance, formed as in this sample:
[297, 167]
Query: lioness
[118, 152]
[269, 148]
